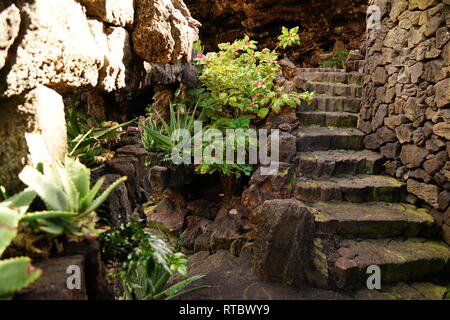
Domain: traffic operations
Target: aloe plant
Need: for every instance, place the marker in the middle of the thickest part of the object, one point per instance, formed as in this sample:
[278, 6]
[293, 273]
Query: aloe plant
[16, 273]
[90, 144]
[159, 137]
[68, 196]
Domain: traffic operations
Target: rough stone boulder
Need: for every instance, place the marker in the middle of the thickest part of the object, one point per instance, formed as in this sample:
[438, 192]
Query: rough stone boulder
[167, 217]
[164, 31]
[118, 57]
[167, 74]
[52, 285]
[9, 26]
[443, 93]
[130, 161]
[284, 241]
[120, 210]
[426, 192]
[442, 129]
[39, 111]
[413, 156]
[116, 12]
[56, 48]
[267, 187]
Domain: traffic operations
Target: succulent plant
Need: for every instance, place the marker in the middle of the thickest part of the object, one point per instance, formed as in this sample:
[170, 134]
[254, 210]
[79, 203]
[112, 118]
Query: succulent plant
[67, 193]
[16, 273]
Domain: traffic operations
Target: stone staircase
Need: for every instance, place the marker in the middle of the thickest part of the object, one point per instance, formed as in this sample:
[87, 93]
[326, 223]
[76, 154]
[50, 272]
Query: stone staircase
[361, 215]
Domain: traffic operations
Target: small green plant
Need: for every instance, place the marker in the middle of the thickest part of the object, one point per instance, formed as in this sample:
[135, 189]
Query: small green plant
[337, 61]
[198, 46]
[15, 273]
[118, 242]
[150, 265]
[160, 136]
[90, 144]
[288, 37]
[68, 196]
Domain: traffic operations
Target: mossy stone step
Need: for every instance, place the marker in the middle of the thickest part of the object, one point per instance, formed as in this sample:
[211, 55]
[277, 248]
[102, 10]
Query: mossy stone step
[316, 139]
[321, 164]
[328, 119]
[372, 220]
[413, 259]
[404, 291]
[335, 89]
[331, 103]
[337, 77]
[303, 70]
[359, 188]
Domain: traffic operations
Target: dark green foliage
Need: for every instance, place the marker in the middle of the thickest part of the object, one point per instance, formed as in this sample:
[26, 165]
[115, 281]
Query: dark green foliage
[337, 61]
[117, 243]
[89, 137]
[149, 266]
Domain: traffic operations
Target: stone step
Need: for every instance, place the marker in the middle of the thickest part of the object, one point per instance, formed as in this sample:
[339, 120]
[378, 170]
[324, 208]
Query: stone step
[413, 259]
[404, 291]
[307, 70]
[323, 164]
[315, 139]
[355, 66]
[360, 188]
[335, 89]
[331, 104]
[372, 220]
[328, 119]
[337, 77]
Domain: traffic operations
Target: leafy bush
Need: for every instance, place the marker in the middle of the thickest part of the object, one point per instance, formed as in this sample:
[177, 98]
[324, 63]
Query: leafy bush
[149, 266]
[90, 144]
[68, 196]
[240, 80]
[118, 242]
[338, 60]
[240, 90]
[15, 273]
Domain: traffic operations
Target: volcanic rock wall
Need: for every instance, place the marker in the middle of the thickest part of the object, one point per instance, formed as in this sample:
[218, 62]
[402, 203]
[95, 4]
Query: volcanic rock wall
[406, 103]
[50, 48]
[324, 24]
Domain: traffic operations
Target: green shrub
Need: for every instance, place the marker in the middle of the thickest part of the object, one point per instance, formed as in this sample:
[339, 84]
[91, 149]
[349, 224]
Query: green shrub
[118, 242]
[240, 80]
[337, 61]
[240, 90]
